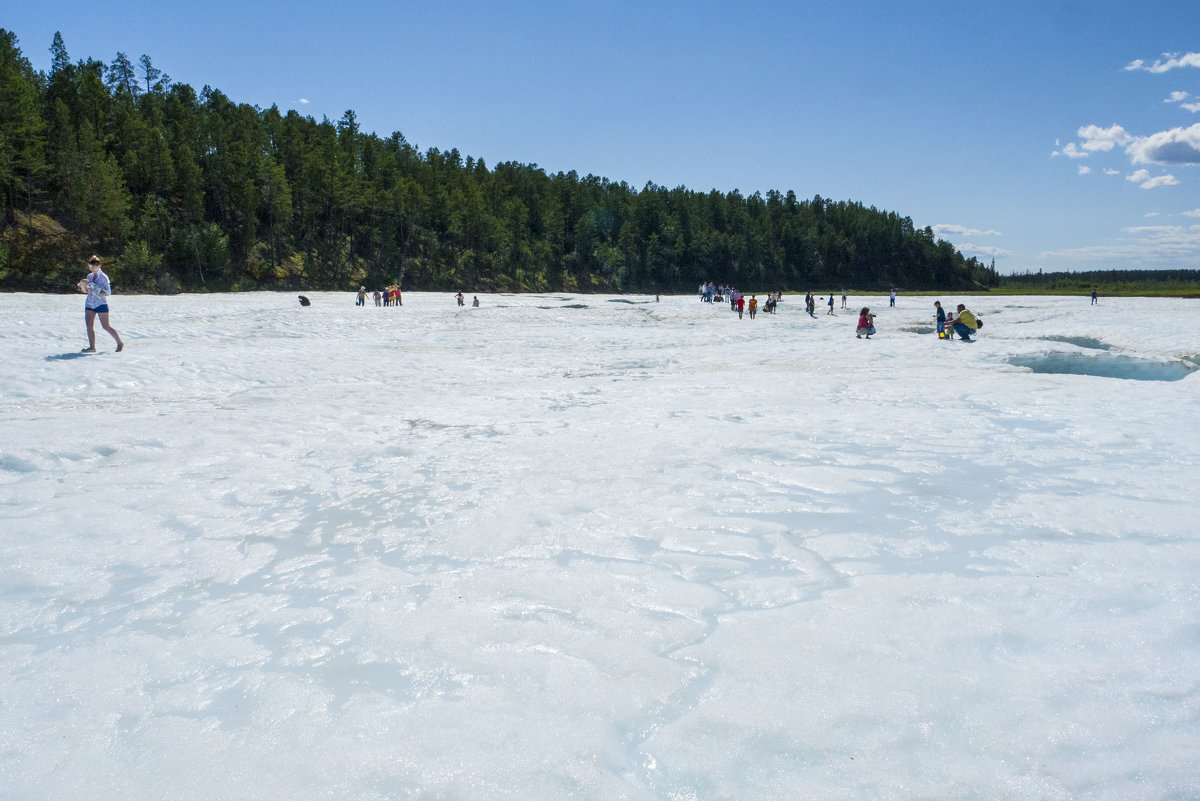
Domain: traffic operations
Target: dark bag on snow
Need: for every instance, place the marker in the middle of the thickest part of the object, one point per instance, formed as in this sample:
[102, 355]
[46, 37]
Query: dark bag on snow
[978, 323]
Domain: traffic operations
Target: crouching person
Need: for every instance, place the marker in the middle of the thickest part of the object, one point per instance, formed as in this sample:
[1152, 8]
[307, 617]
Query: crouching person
[964, 324]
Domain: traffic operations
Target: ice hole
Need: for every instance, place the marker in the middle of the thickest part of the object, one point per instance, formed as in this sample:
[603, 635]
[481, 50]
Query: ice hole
[1082, 342]
[1105, 366]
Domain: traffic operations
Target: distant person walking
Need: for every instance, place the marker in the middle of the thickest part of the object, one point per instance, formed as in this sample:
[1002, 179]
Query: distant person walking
[378, 298]
[361, 300]
[810, 305]
[459, 298]
[843, 298]
[741, 304]
[753, 305]
[1095, 298]
[98, 289]
[475, 301]
[830, 312]
[892, 300]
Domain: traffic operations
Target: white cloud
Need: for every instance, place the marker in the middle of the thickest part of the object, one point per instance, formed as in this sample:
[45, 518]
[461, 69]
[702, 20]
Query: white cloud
[949, 229]
[1150, 214]
[1192, 213]
[1097, 139]
[1169, 61]
[1160, 230]
[1164, 245]
[1181, 98]
[1111, 171]
[1071, 151]
[1083, 170]
[983, 250]
[304, 101]
[1176, 146]
[1161, 180]
[1142, 178]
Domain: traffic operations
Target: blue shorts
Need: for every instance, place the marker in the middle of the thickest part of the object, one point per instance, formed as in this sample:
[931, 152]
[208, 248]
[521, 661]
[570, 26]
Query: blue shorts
[101, 309]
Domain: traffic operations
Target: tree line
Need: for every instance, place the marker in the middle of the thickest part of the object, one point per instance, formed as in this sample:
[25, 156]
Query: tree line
[183, 190]
[1108, 281]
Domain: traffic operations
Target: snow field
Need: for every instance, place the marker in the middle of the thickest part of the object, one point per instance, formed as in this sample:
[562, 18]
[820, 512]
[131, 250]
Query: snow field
[631, 550]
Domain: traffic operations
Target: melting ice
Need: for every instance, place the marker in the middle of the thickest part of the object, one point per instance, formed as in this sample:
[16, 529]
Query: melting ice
[561, 547]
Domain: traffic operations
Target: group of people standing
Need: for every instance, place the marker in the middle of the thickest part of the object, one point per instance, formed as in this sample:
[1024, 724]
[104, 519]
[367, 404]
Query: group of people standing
[391, 296]
[716, 293]
[738, 302]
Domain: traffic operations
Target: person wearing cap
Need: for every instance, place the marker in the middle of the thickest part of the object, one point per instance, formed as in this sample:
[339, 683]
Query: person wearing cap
[98, 288]
[362, 297]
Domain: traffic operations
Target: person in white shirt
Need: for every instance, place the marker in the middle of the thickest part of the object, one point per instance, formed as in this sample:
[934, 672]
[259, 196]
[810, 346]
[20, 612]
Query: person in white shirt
[98, 289]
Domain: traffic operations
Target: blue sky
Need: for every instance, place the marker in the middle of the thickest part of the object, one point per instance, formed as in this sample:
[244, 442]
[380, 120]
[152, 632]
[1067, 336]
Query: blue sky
[1056, 136]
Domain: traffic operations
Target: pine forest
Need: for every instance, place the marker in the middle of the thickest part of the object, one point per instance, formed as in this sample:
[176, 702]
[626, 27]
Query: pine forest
[179, 190]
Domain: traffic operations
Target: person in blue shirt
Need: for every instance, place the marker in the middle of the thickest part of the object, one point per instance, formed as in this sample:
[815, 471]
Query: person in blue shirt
[941, 321]
[98, 289]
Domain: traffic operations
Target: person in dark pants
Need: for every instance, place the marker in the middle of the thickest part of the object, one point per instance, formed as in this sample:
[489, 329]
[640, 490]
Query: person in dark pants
[964, 324]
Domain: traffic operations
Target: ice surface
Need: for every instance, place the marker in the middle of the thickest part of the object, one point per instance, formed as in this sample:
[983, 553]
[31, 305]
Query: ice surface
[591, 547]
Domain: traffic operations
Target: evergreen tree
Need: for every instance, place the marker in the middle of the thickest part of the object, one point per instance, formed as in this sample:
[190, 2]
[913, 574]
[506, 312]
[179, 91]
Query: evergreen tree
[200, 191]
[150, 74]
[121, 77]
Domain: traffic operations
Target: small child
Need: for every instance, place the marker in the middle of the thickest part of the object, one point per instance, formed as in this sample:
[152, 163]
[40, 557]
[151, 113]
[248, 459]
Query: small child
[866, 323]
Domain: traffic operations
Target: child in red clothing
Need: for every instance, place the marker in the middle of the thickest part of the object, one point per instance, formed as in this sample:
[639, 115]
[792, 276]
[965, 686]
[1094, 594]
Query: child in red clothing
[866, 321]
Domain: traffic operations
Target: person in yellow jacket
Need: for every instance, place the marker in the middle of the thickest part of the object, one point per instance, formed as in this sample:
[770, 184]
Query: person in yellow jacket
[964, 324]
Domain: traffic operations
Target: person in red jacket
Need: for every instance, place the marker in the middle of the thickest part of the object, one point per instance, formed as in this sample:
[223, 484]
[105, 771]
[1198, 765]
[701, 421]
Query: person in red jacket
[866, 322]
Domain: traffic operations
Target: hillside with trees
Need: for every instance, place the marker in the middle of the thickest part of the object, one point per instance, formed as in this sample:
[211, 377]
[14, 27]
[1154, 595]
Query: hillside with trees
[179, 189]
